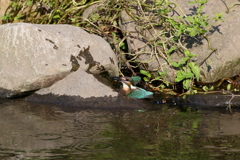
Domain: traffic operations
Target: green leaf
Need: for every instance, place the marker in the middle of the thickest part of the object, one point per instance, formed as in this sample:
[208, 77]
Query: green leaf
[229, 87]
[175, 64]
[204, 24]
[183, 75]
[73, 19]
[29, 3]
[114, 37]
[145, 79]
[162, 73]
[188, 54]
[190, 19]
[235, 89]
[192, 2]
[56, 16]
[162, 86]
[95, 17]
[168, 58]
[205, 88]
[122, 45]
[189, 75]
[157, 78]
[179, 32]
[171, 49]
[194, 92]
[17, 17]
[181, 63]
[146, 73]
[202, 2]
[211, 88]
[115, 23]
[183, 60]
[187, 84]
[5, 17]
[195, 69]
[180, 76]
[166, 83]
[193, 31]
[218, 17]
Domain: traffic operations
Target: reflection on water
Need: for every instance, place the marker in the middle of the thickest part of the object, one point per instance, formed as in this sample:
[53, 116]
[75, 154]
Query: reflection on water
[31, 131]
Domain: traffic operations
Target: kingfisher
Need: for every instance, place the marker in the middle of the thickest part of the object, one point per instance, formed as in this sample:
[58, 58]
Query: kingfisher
[132, 91]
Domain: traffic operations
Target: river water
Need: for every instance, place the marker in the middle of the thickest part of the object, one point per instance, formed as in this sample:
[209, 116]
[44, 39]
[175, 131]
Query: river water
[40, 131]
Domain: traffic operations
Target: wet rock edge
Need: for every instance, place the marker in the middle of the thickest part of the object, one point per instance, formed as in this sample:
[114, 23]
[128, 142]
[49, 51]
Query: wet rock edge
[119, 102]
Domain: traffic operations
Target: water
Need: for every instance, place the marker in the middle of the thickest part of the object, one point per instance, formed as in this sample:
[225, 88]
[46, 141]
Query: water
[34, 131]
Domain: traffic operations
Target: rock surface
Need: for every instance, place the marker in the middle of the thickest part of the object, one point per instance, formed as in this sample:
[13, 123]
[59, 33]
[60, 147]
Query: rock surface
[224, 37]
[81, 89]
[225, 62]
[137, 45]
[35, 56]
[209, 100]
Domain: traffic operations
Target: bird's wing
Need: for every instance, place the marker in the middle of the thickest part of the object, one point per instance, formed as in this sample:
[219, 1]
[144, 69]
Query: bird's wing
[135, 80]
[140, 93]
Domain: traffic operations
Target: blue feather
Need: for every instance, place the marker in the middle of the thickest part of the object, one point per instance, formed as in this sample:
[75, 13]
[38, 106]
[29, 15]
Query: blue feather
[140, 93]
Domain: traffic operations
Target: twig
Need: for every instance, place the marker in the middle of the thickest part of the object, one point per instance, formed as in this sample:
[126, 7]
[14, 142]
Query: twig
[229, 102]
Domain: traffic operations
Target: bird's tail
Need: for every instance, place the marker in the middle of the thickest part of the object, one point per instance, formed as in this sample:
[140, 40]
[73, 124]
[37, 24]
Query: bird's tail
[149, 94]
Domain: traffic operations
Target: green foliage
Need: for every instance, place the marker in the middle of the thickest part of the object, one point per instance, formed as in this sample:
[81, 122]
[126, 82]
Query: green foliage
[196, 26]
[122, 44]
[184, 74]
[182, 62]
[149, 78]
[147, 74]
[195, 70]
[46, 11]
[229, 87]
[206, 88]
[235, 90]
[187, 74]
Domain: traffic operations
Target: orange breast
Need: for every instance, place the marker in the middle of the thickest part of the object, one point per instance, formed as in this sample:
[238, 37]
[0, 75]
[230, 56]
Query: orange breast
[126, 88]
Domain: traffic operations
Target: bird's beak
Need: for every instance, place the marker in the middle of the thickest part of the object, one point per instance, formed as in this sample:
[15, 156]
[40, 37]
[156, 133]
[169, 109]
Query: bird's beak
[120, 79]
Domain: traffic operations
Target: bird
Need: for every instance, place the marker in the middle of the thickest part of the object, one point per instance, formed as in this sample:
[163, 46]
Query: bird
[132, 91]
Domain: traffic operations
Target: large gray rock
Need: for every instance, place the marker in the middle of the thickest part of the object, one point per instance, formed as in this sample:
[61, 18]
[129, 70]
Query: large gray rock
[81, 89]
[79, 83]
[222, 63]
[35, 56]
[225, 62]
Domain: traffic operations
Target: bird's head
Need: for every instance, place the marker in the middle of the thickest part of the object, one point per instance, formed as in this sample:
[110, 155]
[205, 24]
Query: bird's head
[127, 85]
